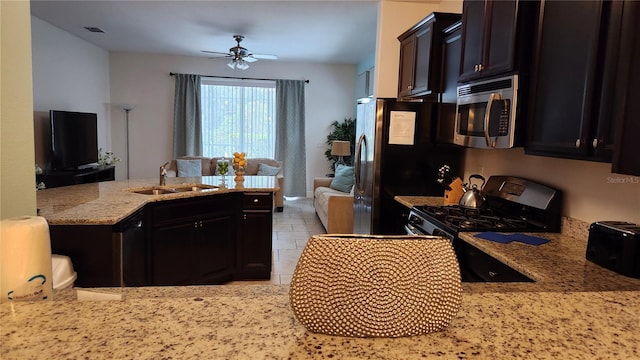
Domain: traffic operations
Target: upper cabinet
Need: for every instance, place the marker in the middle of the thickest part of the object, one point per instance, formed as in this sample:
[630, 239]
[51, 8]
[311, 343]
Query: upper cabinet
[574, 80]
[625, 106]
[421, 56]
[584, 82]
[496, 37]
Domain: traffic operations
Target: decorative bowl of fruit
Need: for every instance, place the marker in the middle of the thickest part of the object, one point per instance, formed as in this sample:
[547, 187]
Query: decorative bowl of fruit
[239, 165]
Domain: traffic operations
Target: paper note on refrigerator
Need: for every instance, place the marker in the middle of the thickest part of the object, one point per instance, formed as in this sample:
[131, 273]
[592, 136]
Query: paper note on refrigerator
[402, 126]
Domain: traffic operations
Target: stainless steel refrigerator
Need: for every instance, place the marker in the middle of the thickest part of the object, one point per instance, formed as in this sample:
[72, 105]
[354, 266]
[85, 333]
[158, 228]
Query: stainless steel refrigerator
[397, 153]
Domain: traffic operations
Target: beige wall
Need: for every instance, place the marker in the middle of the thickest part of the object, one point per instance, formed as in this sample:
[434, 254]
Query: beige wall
[591, 191]
[17, 175]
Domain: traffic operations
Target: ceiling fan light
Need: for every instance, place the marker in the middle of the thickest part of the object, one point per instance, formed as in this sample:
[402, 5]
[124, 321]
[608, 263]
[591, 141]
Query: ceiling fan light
[242, 65]
[232, 64]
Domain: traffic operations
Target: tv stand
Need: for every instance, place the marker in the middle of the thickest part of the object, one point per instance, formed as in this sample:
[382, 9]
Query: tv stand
[55, 179]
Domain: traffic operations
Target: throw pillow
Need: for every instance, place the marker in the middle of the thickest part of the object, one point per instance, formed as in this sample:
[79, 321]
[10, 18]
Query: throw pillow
[188, 168]
[344, 179]
[266, 170]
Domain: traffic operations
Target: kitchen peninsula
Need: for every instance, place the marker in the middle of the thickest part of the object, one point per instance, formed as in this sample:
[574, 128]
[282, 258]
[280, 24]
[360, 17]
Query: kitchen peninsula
[192, 231]
[586, 314]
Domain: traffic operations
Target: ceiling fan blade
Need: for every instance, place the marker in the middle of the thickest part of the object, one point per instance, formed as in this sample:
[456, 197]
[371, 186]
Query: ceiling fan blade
[217, 53]
[265, 56]
[249, 59]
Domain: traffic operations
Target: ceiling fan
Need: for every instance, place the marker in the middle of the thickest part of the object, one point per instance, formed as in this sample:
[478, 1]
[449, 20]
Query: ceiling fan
[240, 56]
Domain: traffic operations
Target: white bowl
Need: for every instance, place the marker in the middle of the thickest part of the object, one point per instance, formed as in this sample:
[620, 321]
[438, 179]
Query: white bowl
[62, 272]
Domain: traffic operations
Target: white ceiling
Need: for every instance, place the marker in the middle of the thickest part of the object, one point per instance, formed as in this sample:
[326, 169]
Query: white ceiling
[340, 31]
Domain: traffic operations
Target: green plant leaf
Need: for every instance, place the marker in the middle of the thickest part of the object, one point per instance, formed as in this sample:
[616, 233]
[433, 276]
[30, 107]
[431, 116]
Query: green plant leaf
[341, 130]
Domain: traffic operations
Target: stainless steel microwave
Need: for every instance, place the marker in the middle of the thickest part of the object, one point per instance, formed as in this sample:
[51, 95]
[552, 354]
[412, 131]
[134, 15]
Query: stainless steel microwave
[486, 113]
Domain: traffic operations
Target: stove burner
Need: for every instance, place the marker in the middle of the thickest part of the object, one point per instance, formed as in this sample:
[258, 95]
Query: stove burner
[471, 219]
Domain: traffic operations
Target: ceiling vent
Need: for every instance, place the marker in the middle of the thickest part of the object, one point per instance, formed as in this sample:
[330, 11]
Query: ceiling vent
[94, 29]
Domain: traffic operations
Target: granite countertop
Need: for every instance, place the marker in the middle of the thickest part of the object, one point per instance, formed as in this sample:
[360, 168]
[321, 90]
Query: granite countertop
[106, 203]
[558, 265]
[575, 310]
[256, 322]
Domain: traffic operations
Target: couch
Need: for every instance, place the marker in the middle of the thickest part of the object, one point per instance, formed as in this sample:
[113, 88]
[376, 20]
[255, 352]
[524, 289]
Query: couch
[334, 208]
[209, 169]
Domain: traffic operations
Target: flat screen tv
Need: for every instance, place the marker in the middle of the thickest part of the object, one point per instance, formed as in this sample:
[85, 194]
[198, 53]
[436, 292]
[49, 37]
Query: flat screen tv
[74, 140]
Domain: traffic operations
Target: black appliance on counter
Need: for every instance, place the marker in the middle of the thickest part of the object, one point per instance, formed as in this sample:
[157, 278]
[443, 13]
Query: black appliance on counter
[514, 205]
[615, 245]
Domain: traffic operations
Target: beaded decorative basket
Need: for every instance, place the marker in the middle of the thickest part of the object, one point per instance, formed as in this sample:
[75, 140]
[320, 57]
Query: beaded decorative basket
[376, 286]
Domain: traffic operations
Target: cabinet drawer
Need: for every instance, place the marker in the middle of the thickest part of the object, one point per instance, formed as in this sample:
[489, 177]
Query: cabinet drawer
[257, 201]
[172, 211]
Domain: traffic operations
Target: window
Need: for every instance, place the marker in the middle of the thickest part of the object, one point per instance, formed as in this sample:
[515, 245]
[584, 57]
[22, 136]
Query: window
[238, 115]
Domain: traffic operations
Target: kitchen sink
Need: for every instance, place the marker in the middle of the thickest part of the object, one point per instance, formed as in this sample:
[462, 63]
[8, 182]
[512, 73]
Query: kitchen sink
[161, 190]
[198, 187]
[154, 191]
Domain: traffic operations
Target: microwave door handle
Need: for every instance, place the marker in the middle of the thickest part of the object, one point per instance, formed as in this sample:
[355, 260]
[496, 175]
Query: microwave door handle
[487, 120]
[358, 163]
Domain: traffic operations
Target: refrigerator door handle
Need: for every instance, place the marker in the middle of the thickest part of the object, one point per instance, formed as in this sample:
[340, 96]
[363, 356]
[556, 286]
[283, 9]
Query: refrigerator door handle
[361, 141]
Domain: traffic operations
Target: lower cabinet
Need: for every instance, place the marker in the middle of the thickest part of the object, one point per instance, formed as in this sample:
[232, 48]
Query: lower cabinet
[198, 246]
[195, 241]
[254, 249]
[478, 266]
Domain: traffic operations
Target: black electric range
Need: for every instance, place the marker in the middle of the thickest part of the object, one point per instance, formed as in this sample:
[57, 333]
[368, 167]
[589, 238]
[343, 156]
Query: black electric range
[513, 205]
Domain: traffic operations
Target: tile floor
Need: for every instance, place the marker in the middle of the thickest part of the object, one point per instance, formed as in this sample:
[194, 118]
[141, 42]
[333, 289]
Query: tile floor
[292, 228]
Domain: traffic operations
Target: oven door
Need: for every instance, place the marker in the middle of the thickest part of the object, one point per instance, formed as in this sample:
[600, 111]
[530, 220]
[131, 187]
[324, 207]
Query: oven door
[486, 113]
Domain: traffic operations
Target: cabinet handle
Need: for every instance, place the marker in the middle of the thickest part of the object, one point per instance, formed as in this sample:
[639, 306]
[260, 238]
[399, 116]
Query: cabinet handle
[256, 200]
[577, 143]
[493, 274]
[244, 216]
[480, 67]
[409, 87]
[595, 143]
[139, 224]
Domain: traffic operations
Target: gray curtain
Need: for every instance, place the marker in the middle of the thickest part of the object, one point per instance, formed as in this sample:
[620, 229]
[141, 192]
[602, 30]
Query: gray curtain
[186, 116]
[290, 144]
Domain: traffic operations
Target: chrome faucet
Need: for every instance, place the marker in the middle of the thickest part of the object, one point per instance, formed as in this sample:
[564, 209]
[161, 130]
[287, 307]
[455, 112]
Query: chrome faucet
[163, 174]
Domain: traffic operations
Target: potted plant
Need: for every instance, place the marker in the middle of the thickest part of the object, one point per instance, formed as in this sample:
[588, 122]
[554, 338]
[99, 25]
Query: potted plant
[341, 130]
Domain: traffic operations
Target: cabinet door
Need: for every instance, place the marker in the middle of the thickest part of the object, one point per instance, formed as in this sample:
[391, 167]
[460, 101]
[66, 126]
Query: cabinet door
[626, 106]
[501, 38]
[216, 249]
[564, 78]
[255, 248]
[407, 63]
[422, 72]
[173, 254]
[473, 25]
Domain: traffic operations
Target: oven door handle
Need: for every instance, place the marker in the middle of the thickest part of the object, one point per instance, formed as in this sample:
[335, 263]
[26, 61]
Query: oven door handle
[412, 230]
[487, 120]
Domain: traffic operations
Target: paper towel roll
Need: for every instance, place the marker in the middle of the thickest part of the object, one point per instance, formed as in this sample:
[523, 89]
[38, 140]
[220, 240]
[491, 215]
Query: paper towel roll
[25, 259]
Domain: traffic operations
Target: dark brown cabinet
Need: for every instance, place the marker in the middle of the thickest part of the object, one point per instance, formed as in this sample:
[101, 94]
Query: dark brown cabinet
[193, 241]
[496, 37]
[625, 105]
[451, 50]
[420, 56]
[105, 255]
[190, 241]
[254, 249]
[574, 80]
